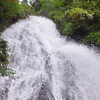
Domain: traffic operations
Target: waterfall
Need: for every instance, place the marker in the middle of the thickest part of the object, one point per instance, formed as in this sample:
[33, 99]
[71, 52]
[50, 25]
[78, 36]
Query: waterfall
[28, 1]
[47, 65]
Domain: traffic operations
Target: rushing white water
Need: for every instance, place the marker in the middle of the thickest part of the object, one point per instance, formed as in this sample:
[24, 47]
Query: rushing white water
[48, 66]
[28, 1]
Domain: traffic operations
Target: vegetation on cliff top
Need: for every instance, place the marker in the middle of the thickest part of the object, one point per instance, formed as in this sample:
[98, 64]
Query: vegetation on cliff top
[78, 19]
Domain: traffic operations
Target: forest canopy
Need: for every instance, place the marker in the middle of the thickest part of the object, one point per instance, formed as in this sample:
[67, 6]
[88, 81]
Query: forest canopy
[77, 19]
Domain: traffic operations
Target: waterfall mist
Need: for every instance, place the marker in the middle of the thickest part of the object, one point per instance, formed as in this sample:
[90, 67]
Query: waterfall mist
[48, 66]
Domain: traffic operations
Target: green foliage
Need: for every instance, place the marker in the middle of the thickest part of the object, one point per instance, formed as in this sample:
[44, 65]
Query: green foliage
[81, 20]
[74, 18]
[27, 10]
[11, 11]
[4, 71]
[95, 23]
[79, 14]
[44, 6]
[93, 38]
[68, 29]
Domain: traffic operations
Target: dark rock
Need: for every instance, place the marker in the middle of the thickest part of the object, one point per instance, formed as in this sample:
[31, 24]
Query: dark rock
[45, 93]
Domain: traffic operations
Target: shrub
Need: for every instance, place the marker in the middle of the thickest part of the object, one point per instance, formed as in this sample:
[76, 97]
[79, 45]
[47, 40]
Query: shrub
[68, 29]
[95, 23]
[4, 70]
[93, 38]
[27, 10]
[79, 14]
[81, 20]
[11, 11]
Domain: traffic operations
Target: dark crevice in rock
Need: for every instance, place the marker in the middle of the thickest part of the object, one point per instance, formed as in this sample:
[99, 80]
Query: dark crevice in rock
[45, 93]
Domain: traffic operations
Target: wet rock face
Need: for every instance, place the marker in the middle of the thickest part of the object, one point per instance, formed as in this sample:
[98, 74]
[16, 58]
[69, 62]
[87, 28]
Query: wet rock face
[45, 93]
[3, 94]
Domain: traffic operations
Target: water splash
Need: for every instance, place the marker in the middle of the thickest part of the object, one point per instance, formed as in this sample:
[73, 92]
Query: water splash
[48, 66]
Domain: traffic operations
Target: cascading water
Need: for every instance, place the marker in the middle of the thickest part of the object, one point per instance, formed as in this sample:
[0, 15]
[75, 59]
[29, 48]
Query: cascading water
[28, 1]
[48, 66]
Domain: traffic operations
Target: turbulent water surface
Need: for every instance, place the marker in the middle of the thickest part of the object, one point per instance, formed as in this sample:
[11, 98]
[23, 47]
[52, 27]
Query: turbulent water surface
[47, 66]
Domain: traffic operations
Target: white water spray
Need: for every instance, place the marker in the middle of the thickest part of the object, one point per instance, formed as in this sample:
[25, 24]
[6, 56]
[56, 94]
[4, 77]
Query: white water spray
[48, 66]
